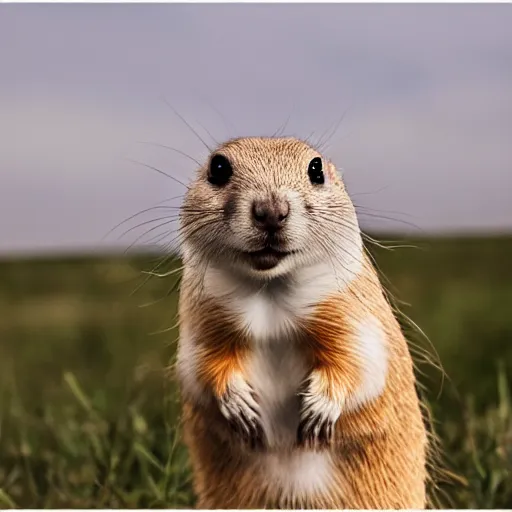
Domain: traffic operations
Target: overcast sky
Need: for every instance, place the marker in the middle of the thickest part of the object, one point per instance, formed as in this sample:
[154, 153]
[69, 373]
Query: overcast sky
[427, 139]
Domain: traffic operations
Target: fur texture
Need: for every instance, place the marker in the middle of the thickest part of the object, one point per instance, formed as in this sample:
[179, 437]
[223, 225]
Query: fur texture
[297, 383]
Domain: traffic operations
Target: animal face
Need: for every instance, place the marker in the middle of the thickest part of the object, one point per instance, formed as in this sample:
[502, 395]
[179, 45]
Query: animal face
[268, 206]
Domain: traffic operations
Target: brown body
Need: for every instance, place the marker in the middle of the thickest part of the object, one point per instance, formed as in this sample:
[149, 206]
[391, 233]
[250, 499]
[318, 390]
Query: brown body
[346, 359]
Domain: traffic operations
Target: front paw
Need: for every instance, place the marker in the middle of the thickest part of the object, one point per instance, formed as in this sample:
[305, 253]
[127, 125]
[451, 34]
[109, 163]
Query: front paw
[318, 415]
[240, 407]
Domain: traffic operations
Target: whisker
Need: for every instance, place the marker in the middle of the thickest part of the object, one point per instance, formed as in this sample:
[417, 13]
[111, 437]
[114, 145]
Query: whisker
[162, 261]
[342, 234]
[134, 216]
[224, 119]
[359, 206]
[173, 289]
[329, 249]
[370, 193]
[175, 215]
[145, 223]
[189, 126]
[217, 111]
[328, 252]
[282, 128]
[170, 199]
[384, 217]
[185, 209]
[308, 139]
[208, 132]
[380, 243]
[147, 232]
[165, 274]
[155, 240]
[158, 145]
[160, 236]
[158, 171]
[320, 144]
[329, 208]
[191, 230]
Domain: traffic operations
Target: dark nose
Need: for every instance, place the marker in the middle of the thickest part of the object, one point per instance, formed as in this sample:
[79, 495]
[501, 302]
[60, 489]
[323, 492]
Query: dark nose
[270, 214]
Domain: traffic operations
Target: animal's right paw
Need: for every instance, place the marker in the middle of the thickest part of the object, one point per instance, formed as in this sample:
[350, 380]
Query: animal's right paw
[239, 405]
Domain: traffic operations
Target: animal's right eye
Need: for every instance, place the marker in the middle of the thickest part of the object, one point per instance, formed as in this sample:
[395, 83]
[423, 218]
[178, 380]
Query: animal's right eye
[220, 171]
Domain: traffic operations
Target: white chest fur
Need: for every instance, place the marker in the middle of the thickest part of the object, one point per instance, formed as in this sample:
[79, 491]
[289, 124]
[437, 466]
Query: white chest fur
[269, 311]
[276, 369]
[275, 372]
[278, 366]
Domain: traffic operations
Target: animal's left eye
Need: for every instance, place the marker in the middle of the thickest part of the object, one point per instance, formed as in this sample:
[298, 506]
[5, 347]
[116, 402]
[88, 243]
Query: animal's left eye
[315, 173]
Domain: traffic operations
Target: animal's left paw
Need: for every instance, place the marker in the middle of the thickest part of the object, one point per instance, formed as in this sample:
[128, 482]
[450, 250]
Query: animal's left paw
[318, 415]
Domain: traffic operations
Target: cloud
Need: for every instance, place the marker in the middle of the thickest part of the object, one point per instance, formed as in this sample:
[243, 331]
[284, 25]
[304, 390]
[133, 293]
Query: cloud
[430, 86]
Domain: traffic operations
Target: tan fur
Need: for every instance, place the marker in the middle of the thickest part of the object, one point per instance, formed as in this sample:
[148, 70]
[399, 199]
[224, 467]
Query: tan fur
[221, 350]
[378, 450]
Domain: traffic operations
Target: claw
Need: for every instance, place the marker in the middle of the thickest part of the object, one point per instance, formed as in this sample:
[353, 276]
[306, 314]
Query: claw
[240, 407]
[318, 417]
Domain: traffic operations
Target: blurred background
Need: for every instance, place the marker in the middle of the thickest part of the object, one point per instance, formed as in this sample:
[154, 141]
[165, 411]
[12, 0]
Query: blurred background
[104, 110]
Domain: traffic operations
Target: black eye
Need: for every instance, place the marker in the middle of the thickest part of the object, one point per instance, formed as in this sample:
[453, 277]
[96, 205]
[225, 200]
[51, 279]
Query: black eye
[220, 171]
[316, 176]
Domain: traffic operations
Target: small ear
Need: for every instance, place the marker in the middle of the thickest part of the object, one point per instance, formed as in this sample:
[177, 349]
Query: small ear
[332, 173]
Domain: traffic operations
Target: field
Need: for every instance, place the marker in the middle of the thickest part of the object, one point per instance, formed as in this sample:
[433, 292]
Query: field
[88, 411]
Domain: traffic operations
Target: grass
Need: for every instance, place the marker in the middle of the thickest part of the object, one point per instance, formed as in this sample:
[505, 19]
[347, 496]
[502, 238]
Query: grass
[88, 410]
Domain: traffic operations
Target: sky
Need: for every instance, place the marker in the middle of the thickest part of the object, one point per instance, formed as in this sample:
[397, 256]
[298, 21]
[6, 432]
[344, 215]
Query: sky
[424, 94]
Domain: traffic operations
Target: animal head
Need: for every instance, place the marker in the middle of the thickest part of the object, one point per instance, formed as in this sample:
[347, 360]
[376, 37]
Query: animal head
[265, 207]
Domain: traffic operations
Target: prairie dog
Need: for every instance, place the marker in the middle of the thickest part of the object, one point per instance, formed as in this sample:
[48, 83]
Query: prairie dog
[296, 381]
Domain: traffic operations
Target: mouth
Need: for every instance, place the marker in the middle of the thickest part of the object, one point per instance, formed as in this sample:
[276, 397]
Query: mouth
[266, 258]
